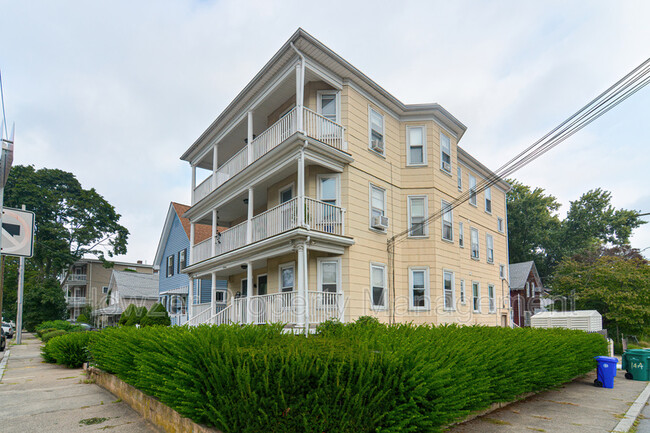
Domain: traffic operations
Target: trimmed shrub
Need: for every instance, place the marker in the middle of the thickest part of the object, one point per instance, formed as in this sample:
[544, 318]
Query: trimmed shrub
[157, 315]
[362, 377]
[132, 315]
[82, 318]
[70, 350]
[57, 324]
[50, 335]
[42, 332]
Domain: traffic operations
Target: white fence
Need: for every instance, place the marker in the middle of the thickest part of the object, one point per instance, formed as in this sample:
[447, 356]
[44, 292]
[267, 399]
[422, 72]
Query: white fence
[276, 220]
[203, 189]
[276, 134]
[325, 306]
[231, 239]
[323, 129]
[202, 250]
[324, 217]
[201, 314]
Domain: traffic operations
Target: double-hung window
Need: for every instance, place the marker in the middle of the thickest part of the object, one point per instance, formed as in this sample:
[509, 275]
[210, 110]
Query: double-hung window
[488, 200]
[460, 179]
[474, 241]
[417, 215]
[489, 244]
[502, 271]
[491, 299]
[376, 131]
[328, 105]
[287, 277]
[170, 266]
[461, 235]
[416, 143]
[472, 190]
[463, 299]
[419, 288]
[182, 260]
[476, 296]
[448, 289]
[447, 221]
[445, 153]
[328, 281]
[378, 286]
[377, 204]
[500, 224]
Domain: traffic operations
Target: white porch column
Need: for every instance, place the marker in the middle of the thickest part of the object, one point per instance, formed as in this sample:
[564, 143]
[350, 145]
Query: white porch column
[300, 87]
[249, 226]
[215, 164]
[192, 230]
[300, 299]
[249, 142]
[214, 232]
[190, 301]
[249, 292]
[193, 181]
[301, 188]
[213, 297]
[306, 267]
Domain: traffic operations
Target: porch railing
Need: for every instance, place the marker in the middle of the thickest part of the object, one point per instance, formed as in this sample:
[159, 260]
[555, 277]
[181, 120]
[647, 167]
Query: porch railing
[76, 301]
[314, 126]
[201, 314]
[202, 250]
[324, 217]
[275, 220]
[77, 277]
[325, 306]
[231, 239]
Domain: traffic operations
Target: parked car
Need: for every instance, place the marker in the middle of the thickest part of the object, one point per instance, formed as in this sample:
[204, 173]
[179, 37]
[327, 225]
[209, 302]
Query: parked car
[3, 340]
[8, 329]
[85, 326]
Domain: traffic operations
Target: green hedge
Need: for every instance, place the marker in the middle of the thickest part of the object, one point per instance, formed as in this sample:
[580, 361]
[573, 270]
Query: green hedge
[70, 349]
[57, 324]
[50, 335]
[363, 377]
[157, 315]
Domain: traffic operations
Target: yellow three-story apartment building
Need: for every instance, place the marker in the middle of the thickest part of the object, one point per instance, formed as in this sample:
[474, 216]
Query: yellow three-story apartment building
[317, 172]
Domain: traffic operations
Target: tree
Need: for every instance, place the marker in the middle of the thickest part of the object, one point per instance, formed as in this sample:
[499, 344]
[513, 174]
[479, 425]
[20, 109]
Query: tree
[44, 300]
[613, 281]
[70, 222]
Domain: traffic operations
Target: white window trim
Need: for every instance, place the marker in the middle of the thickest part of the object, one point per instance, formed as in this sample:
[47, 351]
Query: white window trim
[461, 234]
[453, 290]
[241, 289]
[441, 153]
[319, 273]
[492, 300]
[478, 297]
[257, 280]
[427, 298]
[370, 186]
[487, 194]
[463, 293]
[442, 223]
[282, 266]
[471, 247]
[319, 103]
[105, 291]
[459, 170]
[502, 271]
[291, 186]
[426, 213]
[469, 185]
[337, 178]
[487, 248]
[383, 127]
[424, 146]
[374, 307]
[500, 224]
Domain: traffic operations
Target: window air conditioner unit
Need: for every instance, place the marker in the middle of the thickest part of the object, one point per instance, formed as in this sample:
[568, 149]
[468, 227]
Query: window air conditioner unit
[446, 166]
[377, 145]
[380, 222]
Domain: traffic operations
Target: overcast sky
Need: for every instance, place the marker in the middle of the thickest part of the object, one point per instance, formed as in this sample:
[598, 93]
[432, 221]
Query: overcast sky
[115, 91]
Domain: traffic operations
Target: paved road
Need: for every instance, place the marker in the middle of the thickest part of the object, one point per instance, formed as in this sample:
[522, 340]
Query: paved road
[644, 423]
[576, 407]
[43, 398]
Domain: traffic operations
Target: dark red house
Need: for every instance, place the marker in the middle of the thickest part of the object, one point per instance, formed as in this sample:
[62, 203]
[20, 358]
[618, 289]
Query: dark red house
[525, 292]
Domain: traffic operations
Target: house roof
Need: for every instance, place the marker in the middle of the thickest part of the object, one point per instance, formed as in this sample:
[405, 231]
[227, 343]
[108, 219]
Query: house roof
[177, 291]
[314, 49]
[201, 231]
[111, 310]
[135, 285]
[519, 274]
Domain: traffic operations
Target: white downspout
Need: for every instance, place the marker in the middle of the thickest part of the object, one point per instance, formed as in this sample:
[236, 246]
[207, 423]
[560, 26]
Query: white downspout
[300, 92]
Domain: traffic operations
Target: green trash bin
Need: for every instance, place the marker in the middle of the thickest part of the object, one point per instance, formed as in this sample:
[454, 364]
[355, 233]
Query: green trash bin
[637, 364]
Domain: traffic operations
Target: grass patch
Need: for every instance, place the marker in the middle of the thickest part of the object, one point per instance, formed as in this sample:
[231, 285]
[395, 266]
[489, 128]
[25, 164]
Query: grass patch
[119, 400]
[495, 421]
[93, 421]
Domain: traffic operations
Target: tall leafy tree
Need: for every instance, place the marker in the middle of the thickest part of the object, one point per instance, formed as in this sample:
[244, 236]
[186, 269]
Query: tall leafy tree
[70, 222]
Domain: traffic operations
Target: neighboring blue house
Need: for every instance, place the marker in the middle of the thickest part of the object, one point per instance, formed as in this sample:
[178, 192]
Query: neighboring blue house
[172, 256]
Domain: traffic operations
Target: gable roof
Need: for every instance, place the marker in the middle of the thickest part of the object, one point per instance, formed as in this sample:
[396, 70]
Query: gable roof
[176, 210]
[519, 274]
[135, 285]
[314, 49]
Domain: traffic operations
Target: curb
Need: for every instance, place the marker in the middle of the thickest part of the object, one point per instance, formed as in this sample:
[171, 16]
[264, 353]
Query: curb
[633, 412]
[3, 363]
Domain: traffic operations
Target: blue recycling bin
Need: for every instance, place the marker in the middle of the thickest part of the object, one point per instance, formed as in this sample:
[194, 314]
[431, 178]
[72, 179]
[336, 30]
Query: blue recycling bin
[606, 371]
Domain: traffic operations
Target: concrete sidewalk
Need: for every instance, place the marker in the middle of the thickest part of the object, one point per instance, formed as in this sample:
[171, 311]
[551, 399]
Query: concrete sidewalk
[575, 407]
[40, 397]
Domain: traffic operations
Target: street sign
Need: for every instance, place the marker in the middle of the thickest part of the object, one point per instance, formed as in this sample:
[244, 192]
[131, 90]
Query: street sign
[17, 232]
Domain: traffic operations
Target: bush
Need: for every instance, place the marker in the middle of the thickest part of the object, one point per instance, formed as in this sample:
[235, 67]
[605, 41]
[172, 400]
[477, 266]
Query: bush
[70, 350]
[132, 315]
[57, 324]
[42, 332]
[363, 377]
[82, 318]
[157, 315]
[50, 335]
